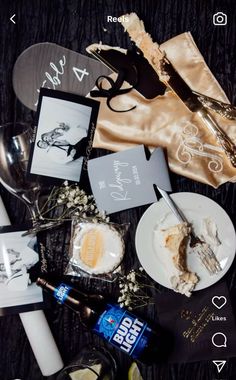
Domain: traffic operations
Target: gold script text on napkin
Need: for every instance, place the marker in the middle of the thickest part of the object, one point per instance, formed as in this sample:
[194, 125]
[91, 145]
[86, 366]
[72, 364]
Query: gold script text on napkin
[198, 322]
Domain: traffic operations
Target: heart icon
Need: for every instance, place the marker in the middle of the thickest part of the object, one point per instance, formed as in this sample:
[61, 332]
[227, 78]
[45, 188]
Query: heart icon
[219, 301]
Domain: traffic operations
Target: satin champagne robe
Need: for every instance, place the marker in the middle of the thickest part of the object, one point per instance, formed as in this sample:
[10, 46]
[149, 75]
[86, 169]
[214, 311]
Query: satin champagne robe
[165, 121]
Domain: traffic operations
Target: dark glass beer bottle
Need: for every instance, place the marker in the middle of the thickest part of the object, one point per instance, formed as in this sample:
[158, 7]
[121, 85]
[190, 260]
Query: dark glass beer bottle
[121, 328]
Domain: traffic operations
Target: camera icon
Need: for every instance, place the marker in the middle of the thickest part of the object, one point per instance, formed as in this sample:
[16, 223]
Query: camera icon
[220, 18]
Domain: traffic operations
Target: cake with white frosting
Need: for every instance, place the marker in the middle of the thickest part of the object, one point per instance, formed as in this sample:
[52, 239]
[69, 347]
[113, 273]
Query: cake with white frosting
[97, 248]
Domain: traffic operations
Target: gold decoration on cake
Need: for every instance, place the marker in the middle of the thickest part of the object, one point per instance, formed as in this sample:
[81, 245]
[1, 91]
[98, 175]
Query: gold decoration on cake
[97, 248]
[92, 248]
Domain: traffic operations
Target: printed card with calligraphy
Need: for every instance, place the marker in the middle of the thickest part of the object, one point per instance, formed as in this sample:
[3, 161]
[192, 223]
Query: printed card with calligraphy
[124, 180]
[52, 66]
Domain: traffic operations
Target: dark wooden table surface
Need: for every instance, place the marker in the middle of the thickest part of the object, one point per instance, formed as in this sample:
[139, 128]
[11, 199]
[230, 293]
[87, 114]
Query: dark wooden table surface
[74, 25]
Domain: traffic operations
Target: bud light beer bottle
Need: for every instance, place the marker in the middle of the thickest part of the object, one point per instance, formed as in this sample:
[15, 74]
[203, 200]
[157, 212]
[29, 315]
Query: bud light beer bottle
[124, 330]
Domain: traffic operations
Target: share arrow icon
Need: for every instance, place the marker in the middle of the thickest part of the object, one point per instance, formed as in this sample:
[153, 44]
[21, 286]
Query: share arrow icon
[219, 364]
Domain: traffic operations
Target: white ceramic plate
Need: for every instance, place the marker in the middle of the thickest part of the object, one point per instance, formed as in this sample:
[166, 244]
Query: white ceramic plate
[156, 259]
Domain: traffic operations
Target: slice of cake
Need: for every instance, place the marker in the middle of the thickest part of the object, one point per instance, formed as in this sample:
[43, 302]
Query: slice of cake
[184, 283]
[176, 241]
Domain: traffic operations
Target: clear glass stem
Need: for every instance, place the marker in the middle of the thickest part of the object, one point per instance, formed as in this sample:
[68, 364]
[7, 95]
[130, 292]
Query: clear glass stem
[34, 213]
[33, 207]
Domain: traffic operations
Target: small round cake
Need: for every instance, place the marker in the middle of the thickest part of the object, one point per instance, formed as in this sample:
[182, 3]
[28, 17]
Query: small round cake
[97, 248]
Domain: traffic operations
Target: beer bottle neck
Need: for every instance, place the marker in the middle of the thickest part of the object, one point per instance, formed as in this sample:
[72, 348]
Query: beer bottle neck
[88, 306]
[64, 293]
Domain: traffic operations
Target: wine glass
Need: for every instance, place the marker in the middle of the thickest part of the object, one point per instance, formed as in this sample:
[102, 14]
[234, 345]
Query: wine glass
[15, 142]
[15, 145]
[92, 362]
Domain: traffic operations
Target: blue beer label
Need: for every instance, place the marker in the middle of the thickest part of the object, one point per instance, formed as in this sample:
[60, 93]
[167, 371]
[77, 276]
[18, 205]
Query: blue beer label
[123, 330]
[61, 293]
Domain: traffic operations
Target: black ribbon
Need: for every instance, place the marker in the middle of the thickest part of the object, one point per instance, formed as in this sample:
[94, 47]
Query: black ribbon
[114, 90]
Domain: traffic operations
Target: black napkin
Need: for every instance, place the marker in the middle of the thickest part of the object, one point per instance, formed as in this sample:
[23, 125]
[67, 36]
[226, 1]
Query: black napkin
[200, 324]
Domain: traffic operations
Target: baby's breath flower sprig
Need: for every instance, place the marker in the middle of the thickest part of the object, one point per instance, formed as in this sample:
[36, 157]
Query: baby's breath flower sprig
[133, 289]
[69, 201]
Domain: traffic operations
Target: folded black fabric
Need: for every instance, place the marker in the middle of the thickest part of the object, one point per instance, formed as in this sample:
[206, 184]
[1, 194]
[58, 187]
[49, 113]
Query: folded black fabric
[203, 325]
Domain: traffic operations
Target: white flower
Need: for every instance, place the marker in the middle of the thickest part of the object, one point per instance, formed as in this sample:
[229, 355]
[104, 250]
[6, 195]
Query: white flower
[131, 286]
[133, 277]
[85, 200]
[72, 193]
[102, 214]
[141, 269]
[135, 288]
[122, 304]
[75, 202]
[127, 302]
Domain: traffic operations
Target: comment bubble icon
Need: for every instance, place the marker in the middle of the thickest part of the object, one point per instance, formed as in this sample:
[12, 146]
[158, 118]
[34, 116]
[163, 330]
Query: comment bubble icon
[219, 340]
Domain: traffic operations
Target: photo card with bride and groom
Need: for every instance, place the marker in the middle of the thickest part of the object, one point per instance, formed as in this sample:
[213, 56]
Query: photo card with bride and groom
[63, 136]
[19, 269]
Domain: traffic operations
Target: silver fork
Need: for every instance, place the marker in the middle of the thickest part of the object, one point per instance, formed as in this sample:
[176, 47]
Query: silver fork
[198, 245]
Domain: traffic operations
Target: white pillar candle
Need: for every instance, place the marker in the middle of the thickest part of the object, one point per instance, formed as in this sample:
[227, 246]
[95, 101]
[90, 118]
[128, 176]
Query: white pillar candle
[37, 329]
[42, 342]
